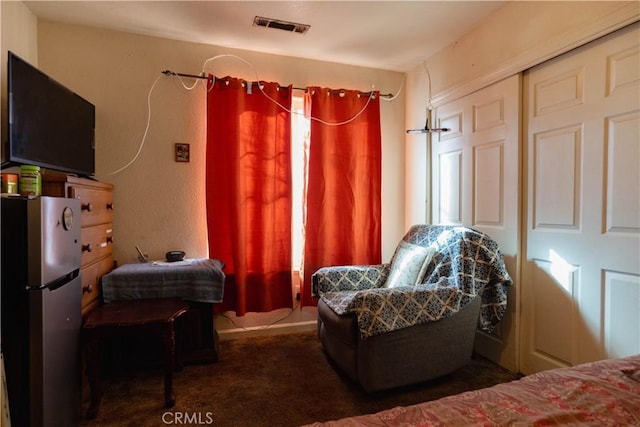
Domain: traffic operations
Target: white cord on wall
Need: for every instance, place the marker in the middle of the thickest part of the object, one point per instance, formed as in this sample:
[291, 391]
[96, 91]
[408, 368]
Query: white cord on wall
[287, 109]
[146, 130]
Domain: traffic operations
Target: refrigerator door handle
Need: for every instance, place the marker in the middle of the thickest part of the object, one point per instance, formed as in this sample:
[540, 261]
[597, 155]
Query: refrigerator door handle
[60, 281]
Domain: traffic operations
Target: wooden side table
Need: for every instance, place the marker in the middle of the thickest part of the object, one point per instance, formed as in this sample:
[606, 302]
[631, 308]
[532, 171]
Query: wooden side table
[149, 315]
[199, 282]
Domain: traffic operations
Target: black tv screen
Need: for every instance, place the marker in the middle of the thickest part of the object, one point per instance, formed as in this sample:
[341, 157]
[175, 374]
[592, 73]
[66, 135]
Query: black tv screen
[49, 125]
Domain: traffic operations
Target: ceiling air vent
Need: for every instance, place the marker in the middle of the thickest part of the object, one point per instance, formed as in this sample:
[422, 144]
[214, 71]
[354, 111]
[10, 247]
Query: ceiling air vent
[292, 27]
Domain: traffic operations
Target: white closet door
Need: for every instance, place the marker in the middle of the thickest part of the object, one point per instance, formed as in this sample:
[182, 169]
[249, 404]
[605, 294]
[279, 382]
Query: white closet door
[475, 182]
[581, 270]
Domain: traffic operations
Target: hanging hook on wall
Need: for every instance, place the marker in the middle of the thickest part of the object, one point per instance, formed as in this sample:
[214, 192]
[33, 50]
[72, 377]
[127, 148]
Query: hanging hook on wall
[426, 128]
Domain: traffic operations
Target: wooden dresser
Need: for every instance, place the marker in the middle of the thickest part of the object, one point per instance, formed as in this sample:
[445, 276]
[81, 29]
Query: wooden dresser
[96, 200]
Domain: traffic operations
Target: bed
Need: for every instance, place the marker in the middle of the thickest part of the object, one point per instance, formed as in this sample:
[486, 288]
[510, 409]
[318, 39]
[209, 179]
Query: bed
[603, 393]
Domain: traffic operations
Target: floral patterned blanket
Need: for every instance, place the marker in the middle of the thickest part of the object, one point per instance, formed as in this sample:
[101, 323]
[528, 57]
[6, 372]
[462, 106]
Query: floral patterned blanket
[466, 263]
[604, 393]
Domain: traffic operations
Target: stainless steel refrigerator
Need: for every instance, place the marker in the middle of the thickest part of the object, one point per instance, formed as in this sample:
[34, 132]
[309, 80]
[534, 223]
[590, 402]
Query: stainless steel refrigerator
[41, 314]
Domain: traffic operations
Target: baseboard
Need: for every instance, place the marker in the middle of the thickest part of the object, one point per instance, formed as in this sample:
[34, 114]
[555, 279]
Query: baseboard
[255, 331]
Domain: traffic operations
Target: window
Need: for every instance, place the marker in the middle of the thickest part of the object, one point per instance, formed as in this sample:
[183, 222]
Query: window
[300, 128]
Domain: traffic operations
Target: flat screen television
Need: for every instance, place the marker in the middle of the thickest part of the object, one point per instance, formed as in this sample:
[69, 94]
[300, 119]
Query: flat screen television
[49, 125]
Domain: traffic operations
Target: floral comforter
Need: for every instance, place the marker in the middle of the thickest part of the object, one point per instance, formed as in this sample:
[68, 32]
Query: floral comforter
[604, 393]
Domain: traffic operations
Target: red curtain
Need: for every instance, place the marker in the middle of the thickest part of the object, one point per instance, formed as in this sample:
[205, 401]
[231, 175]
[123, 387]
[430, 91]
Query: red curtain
[248, 186]
[343, 208]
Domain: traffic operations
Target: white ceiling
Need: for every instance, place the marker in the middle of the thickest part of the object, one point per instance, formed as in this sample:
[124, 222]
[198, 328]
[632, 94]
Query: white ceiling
[390, 35]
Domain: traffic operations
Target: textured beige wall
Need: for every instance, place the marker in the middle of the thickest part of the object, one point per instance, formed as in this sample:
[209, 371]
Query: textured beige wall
[18, 33]
[522, 34]
[160, 204]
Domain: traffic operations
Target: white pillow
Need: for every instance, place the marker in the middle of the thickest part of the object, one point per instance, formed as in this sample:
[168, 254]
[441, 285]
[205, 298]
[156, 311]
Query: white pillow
[409, 265]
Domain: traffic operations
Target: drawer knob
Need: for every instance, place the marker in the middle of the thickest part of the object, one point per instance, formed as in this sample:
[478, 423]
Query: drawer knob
[110, 239]
[87, 207]
[87, 289]
[87, 247]
[110, 206]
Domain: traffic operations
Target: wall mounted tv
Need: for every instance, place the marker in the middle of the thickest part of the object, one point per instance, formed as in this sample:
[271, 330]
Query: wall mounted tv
[49, 125]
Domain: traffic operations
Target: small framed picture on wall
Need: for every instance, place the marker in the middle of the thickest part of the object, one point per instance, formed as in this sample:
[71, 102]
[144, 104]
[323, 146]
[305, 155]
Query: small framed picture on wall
[182, 152]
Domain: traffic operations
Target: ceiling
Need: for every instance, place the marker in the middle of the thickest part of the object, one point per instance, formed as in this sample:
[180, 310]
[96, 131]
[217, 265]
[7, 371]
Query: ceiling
[389, 35]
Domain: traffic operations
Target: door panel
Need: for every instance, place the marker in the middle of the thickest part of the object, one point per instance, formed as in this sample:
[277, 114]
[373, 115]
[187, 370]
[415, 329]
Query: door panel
[450, 187]
[553, 288]
[488, 165]
[556, 179]
[622, 153]
[581, 265]
[622, 305]
[475, 182]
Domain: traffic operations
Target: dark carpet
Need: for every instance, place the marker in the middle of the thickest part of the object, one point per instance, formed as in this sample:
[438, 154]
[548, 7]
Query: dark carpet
[281, 380]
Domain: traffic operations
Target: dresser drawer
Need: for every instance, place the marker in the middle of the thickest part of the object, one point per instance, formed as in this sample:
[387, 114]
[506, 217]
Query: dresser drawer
[91, 276]
[97, 241]
[96, 204]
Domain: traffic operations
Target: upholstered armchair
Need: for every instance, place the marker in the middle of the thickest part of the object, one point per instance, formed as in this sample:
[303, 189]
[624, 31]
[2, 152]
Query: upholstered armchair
[415, 318]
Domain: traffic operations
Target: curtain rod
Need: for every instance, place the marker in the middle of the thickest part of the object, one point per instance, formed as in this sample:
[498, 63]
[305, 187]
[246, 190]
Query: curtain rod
[173, 73]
